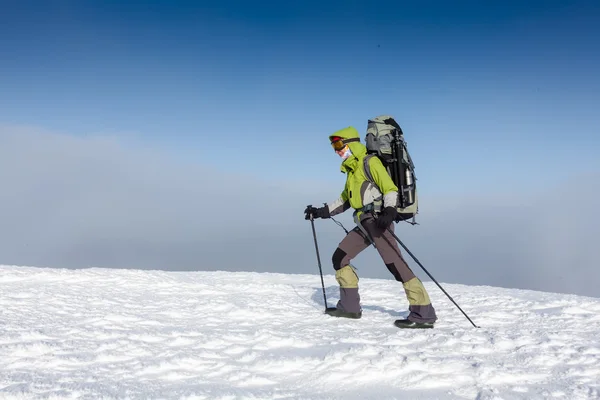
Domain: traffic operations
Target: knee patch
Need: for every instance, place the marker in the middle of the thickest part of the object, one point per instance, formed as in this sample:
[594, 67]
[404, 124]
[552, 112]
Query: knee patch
[392, 268]
[346, 277]
[338, 256]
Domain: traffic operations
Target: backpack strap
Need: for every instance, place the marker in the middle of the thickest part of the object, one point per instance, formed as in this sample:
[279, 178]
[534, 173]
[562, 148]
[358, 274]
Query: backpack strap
[367, 168]
[378, 203]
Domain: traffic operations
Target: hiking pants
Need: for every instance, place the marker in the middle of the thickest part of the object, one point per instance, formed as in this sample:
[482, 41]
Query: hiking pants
[355, 242]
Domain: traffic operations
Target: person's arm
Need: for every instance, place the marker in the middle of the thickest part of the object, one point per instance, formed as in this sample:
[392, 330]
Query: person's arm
[340, 205]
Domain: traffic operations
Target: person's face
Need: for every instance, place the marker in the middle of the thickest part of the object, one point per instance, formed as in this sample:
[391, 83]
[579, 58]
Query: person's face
[341, 151]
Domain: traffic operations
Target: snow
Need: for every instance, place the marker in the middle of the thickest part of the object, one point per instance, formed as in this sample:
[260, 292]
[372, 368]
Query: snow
[107, 333]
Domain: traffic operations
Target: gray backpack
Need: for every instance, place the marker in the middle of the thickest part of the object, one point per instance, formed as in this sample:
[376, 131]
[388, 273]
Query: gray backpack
[385, 140]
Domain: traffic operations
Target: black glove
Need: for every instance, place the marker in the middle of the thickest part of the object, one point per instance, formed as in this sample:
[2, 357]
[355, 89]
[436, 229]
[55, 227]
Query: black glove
[387, 216]
[322, 212]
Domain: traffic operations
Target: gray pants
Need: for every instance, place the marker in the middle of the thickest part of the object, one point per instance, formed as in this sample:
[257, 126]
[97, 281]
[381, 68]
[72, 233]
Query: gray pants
[354, 243]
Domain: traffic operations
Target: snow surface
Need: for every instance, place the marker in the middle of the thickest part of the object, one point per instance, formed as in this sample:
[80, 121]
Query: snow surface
[110, 333]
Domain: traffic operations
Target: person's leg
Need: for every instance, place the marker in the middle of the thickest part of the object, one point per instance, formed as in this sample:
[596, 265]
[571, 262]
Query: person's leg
[346, 276]
[420, 307]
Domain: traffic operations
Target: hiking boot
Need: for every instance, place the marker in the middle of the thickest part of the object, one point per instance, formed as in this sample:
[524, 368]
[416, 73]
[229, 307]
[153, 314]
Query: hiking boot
[405, 323]
[336, 312]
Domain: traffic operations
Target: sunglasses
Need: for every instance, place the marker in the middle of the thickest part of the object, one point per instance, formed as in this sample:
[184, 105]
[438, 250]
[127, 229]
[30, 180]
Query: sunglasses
[339, 143]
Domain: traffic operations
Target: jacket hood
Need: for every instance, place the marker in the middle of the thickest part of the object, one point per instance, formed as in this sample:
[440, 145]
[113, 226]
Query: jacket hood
[357, 148]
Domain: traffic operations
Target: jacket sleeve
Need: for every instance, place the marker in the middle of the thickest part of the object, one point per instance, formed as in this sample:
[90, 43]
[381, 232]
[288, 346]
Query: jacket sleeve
[340, 205]
[384, 182]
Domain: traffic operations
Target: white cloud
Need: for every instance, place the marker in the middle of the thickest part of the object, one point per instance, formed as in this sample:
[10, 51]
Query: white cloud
[79, 201]
[101, 201]
[543, 240]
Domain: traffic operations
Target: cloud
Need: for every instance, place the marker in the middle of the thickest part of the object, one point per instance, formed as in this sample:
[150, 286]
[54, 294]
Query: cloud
[541, 240]
[98, 200]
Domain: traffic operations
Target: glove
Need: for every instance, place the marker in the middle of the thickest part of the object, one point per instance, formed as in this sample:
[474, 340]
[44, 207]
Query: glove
[387, 216]
[310, 210]
[322, 212]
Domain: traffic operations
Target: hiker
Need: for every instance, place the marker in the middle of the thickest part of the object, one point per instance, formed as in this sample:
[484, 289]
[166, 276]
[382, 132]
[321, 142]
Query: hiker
[372, 224]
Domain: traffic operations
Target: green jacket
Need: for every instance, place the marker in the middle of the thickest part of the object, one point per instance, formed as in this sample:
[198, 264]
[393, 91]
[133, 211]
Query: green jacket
[358, 191]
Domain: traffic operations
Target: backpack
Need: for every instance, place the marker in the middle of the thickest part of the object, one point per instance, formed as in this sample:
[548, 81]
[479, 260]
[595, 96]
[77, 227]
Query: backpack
[385, 140]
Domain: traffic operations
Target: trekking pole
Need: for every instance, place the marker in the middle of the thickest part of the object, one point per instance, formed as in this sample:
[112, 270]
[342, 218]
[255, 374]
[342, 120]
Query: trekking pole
[432, 278]
[312, 223]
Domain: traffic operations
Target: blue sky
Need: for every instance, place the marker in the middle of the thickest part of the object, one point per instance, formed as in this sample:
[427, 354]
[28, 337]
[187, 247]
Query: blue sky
[488, 93]
[465, 79]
